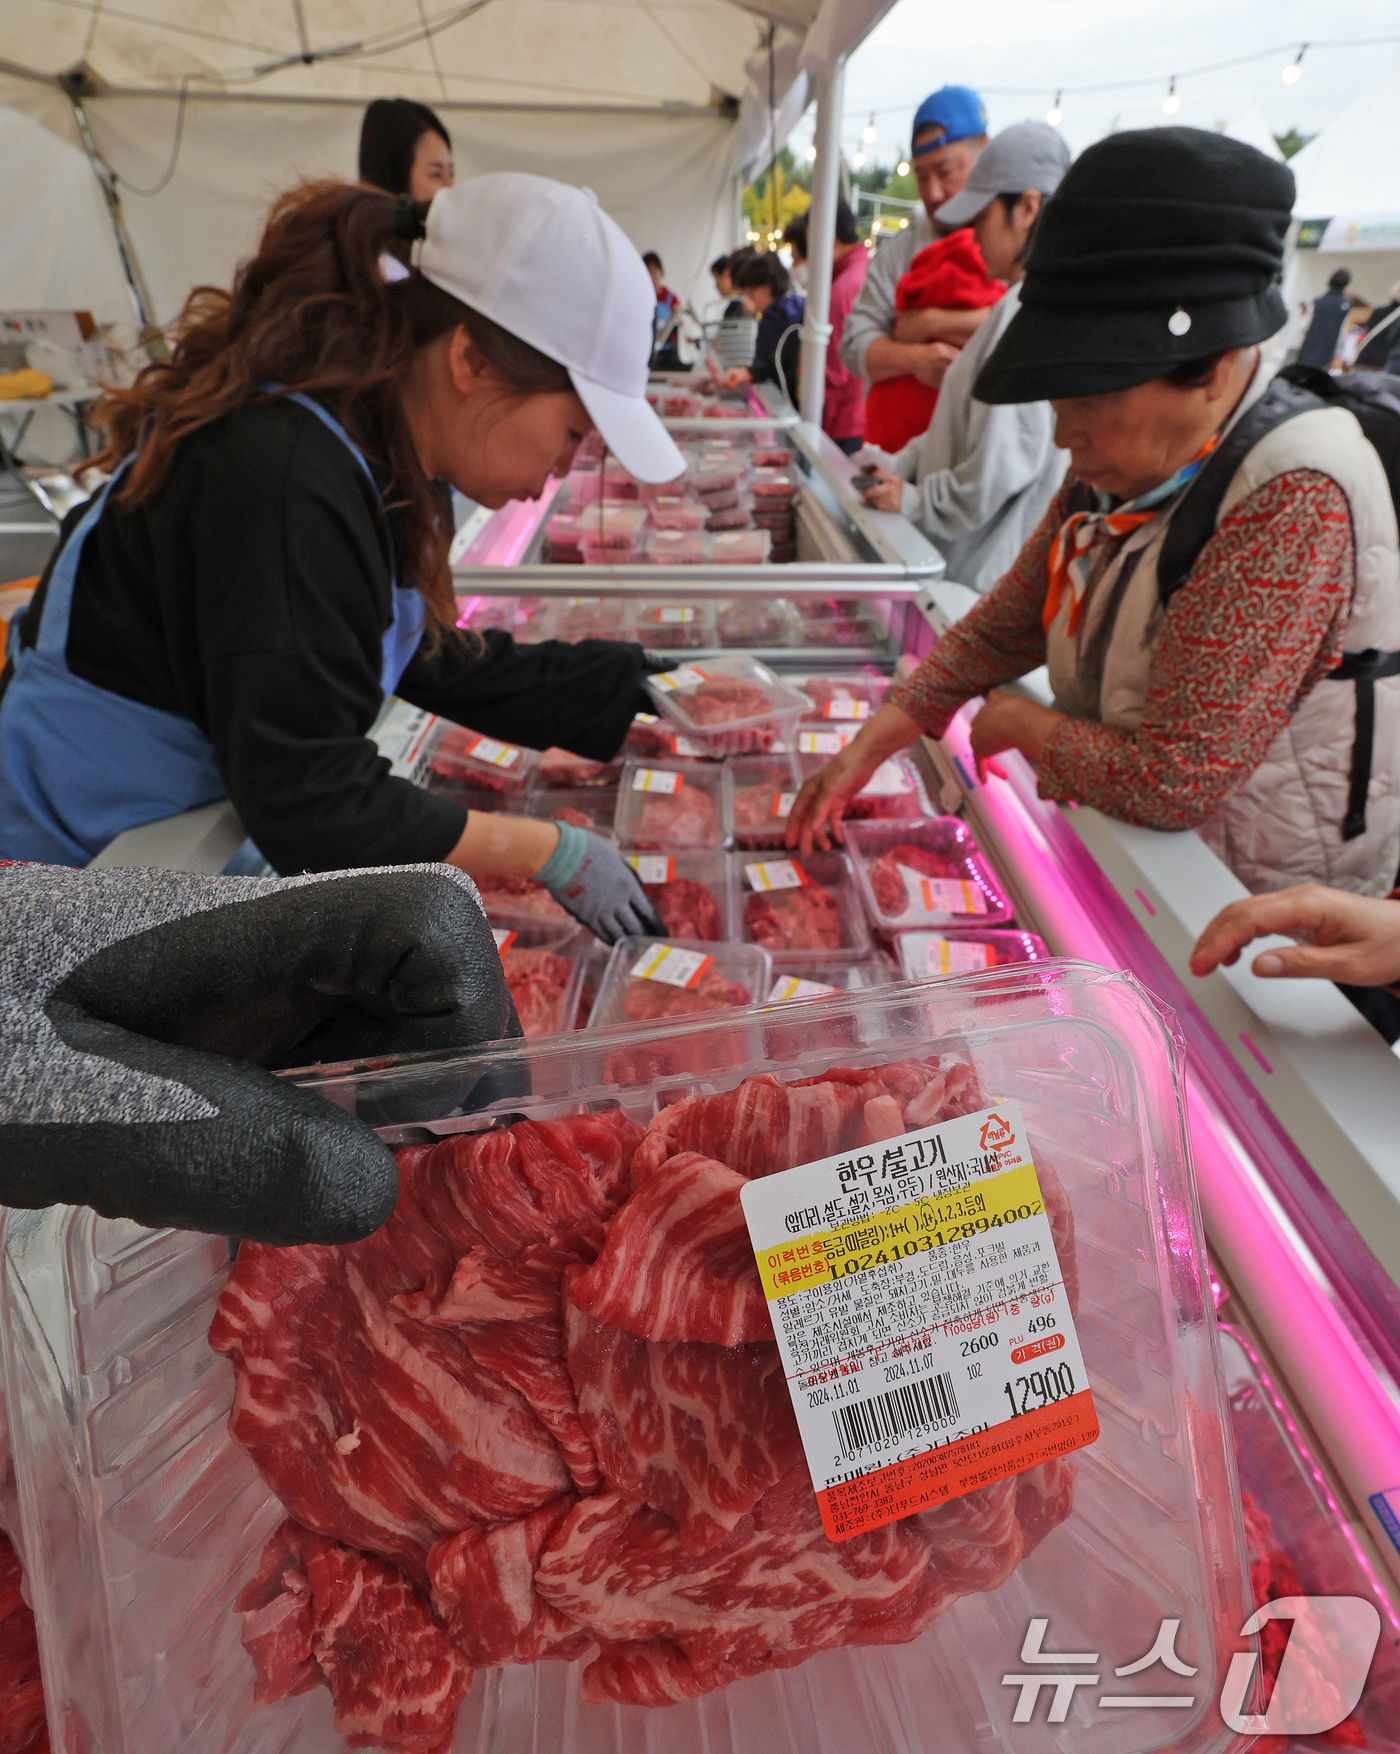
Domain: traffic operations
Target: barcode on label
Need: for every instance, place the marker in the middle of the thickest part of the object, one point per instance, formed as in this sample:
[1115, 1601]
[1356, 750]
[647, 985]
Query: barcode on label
[921, 1405]
[655, 779]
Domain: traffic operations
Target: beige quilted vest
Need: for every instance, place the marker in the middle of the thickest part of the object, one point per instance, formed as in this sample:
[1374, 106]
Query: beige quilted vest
[1283, 824]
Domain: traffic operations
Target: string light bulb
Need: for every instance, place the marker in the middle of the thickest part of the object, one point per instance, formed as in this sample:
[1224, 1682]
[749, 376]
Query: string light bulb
[902, 168]
[1293, 72]
[812, 153]
[867, 133]
[1171, 103]
[858, 160]
[1055, 115]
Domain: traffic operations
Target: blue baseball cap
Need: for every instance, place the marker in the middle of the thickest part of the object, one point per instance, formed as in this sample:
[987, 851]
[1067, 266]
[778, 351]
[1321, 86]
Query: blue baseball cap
[957, 110]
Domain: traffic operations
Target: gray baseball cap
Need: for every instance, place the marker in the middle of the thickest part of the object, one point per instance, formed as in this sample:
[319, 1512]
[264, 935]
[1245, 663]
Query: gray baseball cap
[1027, 155]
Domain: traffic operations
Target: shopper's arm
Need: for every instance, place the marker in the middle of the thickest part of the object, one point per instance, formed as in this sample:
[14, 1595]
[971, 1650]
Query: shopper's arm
[1259, 621]
[872, 314]
[1012, 445]
[938, 324]
[925, 360]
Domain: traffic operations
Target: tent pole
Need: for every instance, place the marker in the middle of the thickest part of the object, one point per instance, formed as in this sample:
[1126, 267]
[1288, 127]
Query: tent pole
[151, 337]
[821, 237]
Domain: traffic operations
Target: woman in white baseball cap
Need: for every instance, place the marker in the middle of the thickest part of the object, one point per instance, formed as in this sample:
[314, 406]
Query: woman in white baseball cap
[269, 558]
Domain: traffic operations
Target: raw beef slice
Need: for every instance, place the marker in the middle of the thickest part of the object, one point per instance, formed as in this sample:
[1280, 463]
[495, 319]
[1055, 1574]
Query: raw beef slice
[808, 918]
[888, 884]
[537, 980]
[520, 895]
[484, 1589]
[688, 909]
[754, 808]
[647, 1000]
[683, 818]
[23, 1729]
[319, 1612]
[719, 700]
[560, 767]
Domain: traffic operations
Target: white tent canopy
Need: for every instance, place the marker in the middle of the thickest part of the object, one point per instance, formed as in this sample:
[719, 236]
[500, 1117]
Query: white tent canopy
[661, 106]
[1348, 204]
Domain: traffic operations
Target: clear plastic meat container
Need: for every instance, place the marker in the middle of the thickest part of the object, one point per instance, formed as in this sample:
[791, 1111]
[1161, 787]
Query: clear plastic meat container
[589, 807]
[771, 910]
[675, 882]
[762, 791]
[544, 966]
[813, 979]
[665, 805]
[926, 873]
[728, 705]
[485, 763]
[143, 1519]
[679, 979]
[891, 794]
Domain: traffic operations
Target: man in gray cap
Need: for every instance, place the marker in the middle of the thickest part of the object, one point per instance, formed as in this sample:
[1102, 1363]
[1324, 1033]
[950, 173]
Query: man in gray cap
[979, 480]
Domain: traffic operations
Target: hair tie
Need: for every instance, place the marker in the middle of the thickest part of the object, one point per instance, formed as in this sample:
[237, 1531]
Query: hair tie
[407, 221]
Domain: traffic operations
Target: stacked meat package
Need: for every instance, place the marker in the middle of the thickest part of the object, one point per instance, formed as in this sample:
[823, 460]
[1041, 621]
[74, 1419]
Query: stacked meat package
[793, 1373]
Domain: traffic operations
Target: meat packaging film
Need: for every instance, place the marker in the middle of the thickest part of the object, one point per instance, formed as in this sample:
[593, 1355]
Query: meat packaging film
[143, 1519]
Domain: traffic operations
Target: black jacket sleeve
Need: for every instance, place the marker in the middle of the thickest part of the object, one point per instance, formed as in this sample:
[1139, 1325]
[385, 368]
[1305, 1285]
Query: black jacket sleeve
[292, 595]
[581, 697]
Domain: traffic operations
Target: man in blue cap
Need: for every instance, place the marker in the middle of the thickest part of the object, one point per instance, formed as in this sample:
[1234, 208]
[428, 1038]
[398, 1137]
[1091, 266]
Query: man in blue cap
[950, 129]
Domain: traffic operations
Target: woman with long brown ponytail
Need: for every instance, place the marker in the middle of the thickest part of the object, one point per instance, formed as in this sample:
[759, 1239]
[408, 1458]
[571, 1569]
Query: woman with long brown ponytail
[269, 559]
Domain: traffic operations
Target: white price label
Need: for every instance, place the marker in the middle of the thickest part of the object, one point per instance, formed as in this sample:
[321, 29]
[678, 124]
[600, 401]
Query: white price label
[823, 742]
[489, 750]
[775, 874]
[655, 779]
[846, 709]
[674, 616]
[653, 867]
[647, 719]
[672, 681]
[583, 602]
[950, 956]
[674, 966]
[941, 895]
[504, 939]
[783, 803]
[686, 746]
[788, 986]
[402, 735]
[921, 1316]
[889, 780]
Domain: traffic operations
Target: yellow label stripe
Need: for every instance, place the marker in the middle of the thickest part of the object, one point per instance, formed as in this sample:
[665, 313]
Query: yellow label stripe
[823, 1256]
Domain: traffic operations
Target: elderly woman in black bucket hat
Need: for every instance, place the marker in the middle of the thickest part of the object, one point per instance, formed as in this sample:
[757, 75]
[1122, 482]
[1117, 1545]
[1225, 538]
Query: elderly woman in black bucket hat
[1216, 587]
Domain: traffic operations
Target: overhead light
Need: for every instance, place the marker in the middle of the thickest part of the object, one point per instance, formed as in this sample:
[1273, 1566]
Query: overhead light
[902, 168]
[1171, 103]
[1055, 115]
[867, 133]
[903, 223]
[858, 160]
[812, 153]
[1293, 72]
[874, 226]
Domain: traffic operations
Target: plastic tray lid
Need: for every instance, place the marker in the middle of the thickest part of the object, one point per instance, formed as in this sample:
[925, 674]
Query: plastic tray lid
[650, 980]
[142, 1519]
[778, 872]
[676, 691]
[899, 896]
[925, 955]
[811, 979]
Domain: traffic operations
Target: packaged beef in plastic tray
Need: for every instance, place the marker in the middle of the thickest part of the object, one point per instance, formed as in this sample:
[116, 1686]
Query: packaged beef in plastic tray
[755, 621]
[678, 548]
[838, 622]
[485, 763]
[562, 768]
[575, 618]
[925, 873]
[677, 512]
[672, 626]
[799, 906]
[651, 979]
[521, 901]
[1300, 1542]
[728, 705]
[589, 807]
[691, 892]
[762, 792]
[543, 965]
[927, 955]
[741, 547]
[471, 1409]
[663, 805]
[814, 977]
[891, 793]
[843, 700]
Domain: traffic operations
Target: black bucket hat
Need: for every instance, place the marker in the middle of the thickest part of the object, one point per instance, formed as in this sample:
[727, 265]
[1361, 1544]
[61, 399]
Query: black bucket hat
[1161, 245]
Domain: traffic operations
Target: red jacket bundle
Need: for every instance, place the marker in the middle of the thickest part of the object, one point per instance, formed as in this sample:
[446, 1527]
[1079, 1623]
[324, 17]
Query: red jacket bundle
[948, 274]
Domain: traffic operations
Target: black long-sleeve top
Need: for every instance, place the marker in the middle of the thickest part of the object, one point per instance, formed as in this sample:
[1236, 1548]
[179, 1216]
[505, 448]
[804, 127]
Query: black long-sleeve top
[250, 594]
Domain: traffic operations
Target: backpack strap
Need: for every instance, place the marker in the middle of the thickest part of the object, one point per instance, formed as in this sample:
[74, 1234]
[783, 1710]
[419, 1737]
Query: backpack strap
[1193, 522]
[1365, 669]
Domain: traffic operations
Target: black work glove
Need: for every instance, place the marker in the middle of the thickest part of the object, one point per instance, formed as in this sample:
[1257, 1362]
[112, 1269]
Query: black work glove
[139, 1008]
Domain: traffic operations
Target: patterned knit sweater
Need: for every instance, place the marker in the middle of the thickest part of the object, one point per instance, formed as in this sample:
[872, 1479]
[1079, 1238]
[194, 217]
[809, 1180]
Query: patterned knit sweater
[1260, 619]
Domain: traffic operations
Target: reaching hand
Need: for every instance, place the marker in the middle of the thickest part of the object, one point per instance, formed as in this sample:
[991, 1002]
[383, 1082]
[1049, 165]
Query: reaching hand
[587, 875]
[138, 1010]
[1355, 938]
[887, 494]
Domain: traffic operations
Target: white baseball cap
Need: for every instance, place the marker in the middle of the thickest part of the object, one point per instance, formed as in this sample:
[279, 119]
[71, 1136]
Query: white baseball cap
[545, 262]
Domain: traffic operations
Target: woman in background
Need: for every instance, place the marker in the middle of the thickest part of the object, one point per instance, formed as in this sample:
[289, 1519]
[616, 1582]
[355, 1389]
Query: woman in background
[404, 149]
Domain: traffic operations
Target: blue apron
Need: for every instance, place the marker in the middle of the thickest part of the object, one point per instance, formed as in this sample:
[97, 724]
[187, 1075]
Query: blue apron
[79, 764]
